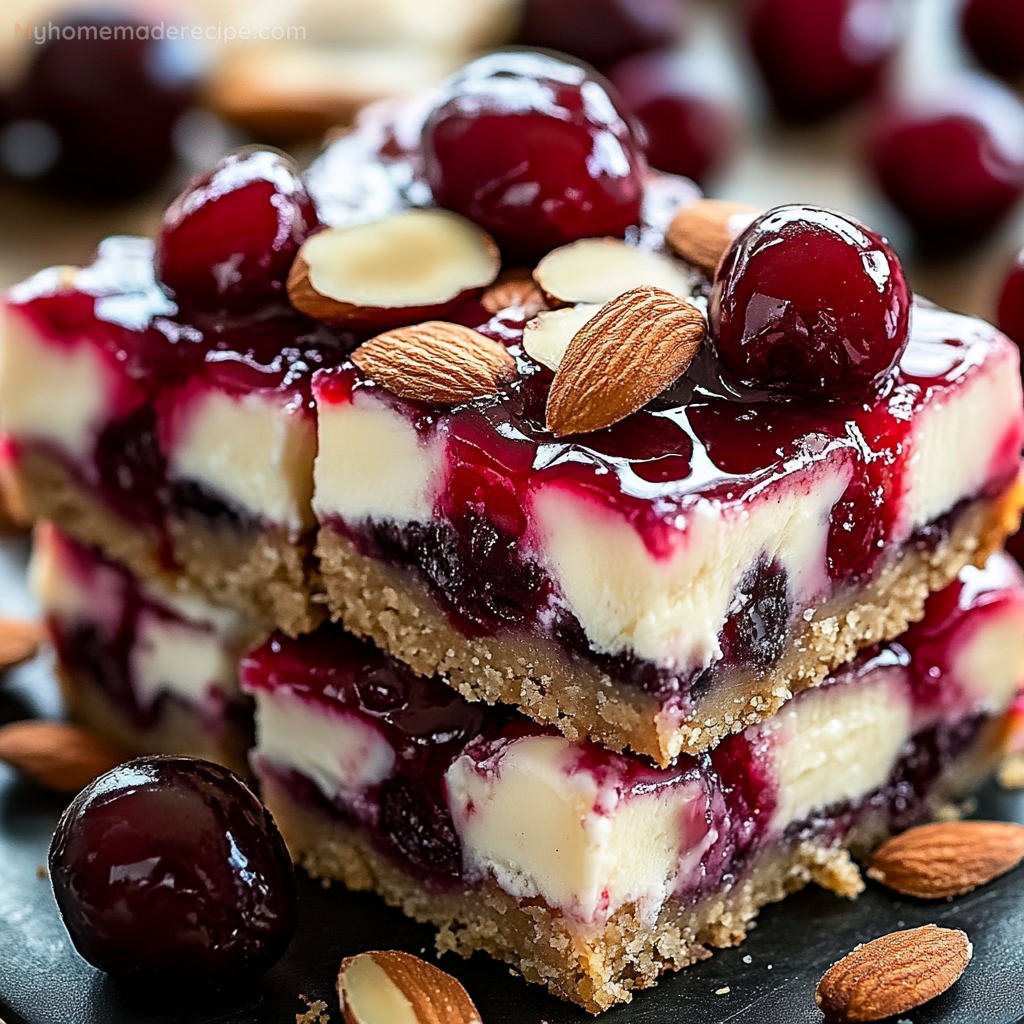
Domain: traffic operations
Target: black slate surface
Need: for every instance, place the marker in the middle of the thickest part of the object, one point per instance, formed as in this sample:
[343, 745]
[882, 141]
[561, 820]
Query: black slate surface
[770, 977]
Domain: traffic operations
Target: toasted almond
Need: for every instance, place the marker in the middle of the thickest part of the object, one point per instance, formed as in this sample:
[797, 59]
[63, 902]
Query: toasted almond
[628, 353]
[56, 755]
[436, 362]
[514, 290]
[391, 987]
[701, 233]
[947, 858]
[893, 974]
[19, 641]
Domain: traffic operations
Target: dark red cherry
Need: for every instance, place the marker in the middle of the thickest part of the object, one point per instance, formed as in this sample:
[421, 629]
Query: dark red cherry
[951, 159]
[602, 31]
[95, 112]
[229, 239]
[536, 151]
[1010, 317]
[689, 130]
[809, 302]
[994, 30]
[171, 867]
[818, 56]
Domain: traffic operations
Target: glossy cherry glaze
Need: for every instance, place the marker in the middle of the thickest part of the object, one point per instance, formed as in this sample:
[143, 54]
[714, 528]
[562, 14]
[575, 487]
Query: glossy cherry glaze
[818, 56]
[157, 359]
[952, 159]
[102, 649]
[994, 30]
[1010, 316]
[536, 151]
[602, 31]
[94, 117]
[810, 303]
[228, 241]
[689, 131]
[171, 867]
[428, 726]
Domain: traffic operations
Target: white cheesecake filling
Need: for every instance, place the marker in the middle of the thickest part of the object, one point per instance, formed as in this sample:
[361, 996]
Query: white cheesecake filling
[255, 449]
[988, 662]
[671, 610]
[342, 753]
[373, 464]
[61, 394]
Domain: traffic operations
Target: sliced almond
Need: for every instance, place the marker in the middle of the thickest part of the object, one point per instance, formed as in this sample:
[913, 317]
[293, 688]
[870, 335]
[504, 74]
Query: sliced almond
[390, 987]
[947, 858]
[514, 291]
[701, 233]
[599, 269]
[436, 362]
[56, 755]
[894, 974]
[406, 267]
[19, 641]
[547, 336]
[625, 355]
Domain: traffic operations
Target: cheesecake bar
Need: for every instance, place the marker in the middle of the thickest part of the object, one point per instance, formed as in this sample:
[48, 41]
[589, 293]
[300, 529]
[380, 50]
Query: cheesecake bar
[676, 577]
[593, 872]
[153, 670]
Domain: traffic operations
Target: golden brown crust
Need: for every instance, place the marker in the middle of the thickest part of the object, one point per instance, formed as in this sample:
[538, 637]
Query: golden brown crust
[393, 607]
[595, 969]
[262, 572]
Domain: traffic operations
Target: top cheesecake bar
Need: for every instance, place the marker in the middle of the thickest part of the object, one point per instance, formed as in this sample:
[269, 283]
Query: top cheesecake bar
[524, 413]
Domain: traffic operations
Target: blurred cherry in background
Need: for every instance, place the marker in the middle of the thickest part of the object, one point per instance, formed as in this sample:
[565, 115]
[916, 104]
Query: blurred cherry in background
[994, 30]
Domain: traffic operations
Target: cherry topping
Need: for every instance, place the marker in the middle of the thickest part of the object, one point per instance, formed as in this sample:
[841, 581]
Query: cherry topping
[1010, 317]
[602, 31]
[808, 301]
[229, 239]
[689, 131]
[818, 56]
[170, 866]
[536, 151]
[93, 115]
[951, 159]
[994, 30]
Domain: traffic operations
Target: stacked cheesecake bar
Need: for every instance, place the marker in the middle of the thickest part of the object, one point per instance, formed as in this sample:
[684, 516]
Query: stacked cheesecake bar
[630, 632]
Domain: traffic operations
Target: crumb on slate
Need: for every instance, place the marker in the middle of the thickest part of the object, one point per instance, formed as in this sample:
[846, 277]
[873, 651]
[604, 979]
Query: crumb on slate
[724, 991]
[41, 871]
[316, 1014]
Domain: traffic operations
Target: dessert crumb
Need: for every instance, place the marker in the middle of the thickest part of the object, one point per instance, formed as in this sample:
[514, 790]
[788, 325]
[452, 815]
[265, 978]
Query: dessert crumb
[724, 991]
[41, 871]
[748, 959]
[513, 972]
[1011, 772]
[316, 1014]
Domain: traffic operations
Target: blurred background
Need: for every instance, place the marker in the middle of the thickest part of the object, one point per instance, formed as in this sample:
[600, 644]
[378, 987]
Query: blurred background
[906, 113]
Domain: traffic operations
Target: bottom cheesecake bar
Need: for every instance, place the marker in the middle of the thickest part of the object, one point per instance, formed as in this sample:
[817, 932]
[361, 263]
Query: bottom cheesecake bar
[154, 671]
[593, 872]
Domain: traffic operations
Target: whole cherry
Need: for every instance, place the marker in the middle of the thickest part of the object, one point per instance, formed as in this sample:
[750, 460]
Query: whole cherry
[535, 150]
[950, 158]
[1010, 317]
[690, 131]
[228, 241]
[818, 56]
[602, 31]
[994, 30]
[170, 867]
[809, 302]
[94, 113]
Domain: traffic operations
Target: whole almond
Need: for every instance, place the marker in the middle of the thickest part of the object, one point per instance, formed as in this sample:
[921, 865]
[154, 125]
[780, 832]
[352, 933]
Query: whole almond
[436, 362]
[631, 350]
[19, 641]
[383, 986]
[56, 755]
[893, 974]
[947, 858]
[702, 232]
[515, 289]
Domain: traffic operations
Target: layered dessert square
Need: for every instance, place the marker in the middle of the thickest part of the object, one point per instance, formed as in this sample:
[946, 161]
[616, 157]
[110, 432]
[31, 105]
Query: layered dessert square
[153, 670]
[592, 872]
